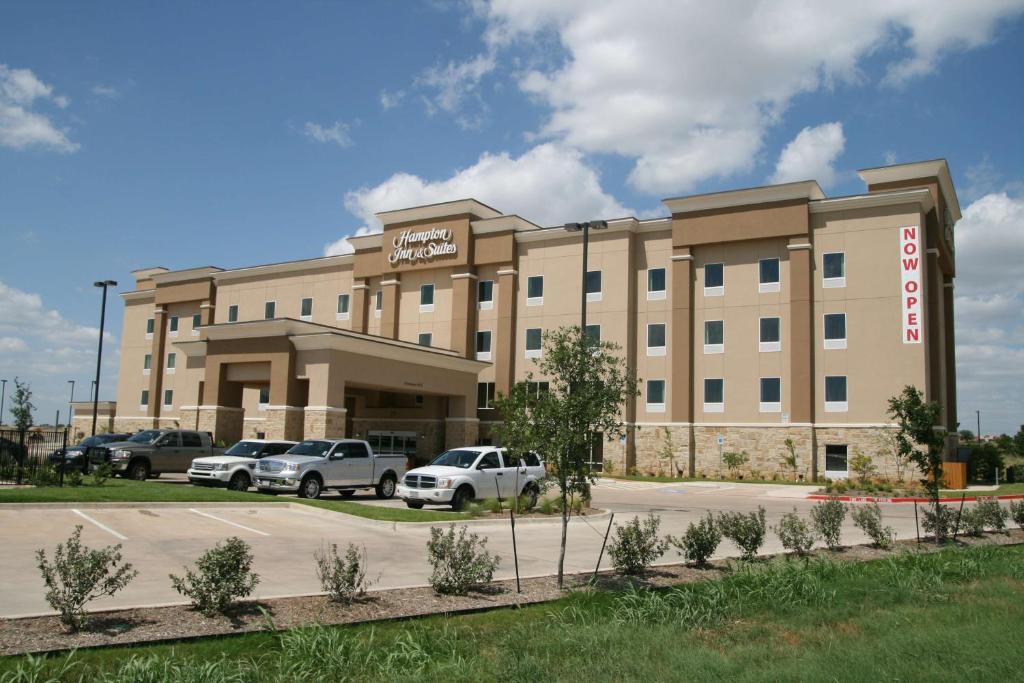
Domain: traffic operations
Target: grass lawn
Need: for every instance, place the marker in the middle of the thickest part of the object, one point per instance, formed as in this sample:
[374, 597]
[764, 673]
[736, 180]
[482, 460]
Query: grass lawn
[1003, 490]
[666, 480]
[948, 616]
[125, 491]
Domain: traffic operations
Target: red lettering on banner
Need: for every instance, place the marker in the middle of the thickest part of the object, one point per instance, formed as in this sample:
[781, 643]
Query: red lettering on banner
[912, 318]
[911, 301]
[910, 248]
[910, 282]
[914, 335]
[910, 263]
[910, 233]
[911, 286]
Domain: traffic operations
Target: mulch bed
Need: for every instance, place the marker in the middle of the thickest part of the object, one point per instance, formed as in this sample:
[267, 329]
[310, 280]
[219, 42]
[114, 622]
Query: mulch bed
[134, 626]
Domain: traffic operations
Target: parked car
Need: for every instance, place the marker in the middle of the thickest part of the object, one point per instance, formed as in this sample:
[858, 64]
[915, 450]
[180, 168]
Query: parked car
[314, 465]
[154, 451]
[79, 456]
[237, 467]
[458, 476]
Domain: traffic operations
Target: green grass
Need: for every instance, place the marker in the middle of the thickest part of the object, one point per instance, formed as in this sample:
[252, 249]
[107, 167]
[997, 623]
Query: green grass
[949, 616]
[128, 491]
[683, 480]
[1003, 490]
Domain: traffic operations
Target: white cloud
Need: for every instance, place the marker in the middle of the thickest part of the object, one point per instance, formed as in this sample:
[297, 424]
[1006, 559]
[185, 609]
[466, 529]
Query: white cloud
[454, 83]
[12, 345]
[687, 89]
[20, 126]
[811, 155]
[343, 246]
[390, 100]
[108, 91]
[549, 185]
[336, 134]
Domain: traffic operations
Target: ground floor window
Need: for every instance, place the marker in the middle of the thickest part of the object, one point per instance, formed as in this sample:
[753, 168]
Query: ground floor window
[485, 395]
[595, 454]
[393, 443]
[836, 461]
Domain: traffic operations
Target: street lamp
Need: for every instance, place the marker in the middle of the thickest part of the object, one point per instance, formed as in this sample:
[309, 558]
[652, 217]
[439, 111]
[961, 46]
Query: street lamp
[585, 227]
[99, 352]
[3, 395]
[71, 402]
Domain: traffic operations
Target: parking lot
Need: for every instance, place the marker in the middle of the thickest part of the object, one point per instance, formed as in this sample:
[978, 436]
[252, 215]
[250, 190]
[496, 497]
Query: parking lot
[160, 538]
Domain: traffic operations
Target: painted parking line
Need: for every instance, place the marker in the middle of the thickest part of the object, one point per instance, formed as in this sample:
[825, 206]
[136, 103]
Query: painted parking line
[228, 521]
[100, 525]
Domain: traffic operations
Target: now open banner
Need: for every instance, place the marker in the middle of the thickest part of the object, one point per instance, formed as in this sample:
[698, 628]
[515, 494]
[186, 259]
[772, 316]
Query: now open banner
[910, 281]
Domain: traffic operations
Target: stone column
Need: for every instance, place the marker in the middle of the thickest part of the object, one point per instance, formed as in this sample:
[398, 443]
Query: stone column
[464, 314]
[392, 290]
[680, 341]
[360, 305]
[801, 345]
[461, 427]
[324, 415]
[504, 365]
[156, 366]
[950, 360]
[284, 422]
[224, 422]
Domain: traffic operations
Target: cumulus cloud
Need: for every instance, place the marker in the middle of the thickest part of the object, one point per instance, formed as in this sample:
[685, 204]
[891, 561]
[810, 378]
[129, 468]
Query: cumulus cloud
[342, 246]
[453, 84]
[811, 155]
[108, 91]
[20, 125]
[336, 134]
[390, 100]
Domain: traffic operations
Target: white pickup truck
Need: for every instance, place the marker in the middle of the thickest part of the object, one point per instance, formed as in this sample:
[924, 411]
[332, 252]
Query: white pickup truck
[458, 476]
[310, 467]
[236, 469]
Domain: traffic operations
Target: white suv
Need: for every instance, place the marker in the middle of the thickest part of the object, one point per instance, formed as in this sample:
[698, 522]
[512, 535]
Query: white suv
[458, 476]
[235, 469]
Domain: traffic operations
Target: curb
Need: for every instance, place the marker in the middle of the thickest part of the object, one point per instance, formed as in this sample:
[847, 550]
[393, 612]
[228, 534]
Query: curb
[873, 499]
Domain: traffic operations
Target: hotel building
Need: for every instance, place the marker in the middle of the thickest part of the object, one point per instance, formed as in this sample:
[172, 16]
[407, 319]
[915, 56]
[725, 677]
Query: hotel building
[751, 317]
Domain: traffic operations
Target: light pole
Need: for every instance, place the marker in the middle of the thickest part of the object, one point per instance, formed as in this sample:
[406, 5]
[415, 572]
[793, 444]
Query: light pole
[3, 395]
[99, 351]
[978, 413]
[71, 402]
[585, 227]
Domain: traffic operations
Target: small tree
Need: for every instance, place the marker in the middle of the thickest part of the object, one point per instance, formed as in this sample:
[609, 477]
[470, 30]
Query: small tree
[735, 460]
[888, 446]
[343, 579]
[795, 534]
[789, 459]
[868, 518]
[746, 529]
[22, 406]
[223, 575]
[700, 541]
[636, 545]
[827, 518]
[919, 441]
[667, 452]
[863, 466]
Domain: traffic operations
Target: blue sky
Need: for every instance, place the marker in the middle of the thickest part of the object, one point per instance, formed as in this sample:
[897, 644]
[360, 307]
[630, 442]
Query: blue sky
[269, 131]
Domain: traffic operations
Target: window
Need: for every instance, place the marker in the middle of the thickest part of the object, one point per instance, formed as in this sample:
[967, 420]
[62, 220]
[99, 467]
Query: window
[593, 333]
[714, 336]
[426, 298]
[173, 326]
[342, 307]
[378, 303]
[593, 285]
[714, 395]
[425, 339]
[714, 279]
[197, 322]
[144, 399]
[833, 269]
[655, 395]
[147, 363]
[485, 295]
[264, 399]
[485, 395]
[306, 309]
[533, 342]
[535, 290]
[483, 345]
[835, 394]
[769, 339]
[191, 440]
[150, 325]
[233, 313]
[171, 362]
[836, 461]
[655, 283]
[771, 395]
[269, 309]
[168, 398]
[656, 339]
[835, 330]
[768, 277]
[537, 388]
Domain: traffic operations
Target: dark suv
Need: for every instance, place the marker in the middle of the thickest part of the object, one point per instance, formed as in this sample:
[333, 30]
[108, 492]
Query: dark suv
[91, 448]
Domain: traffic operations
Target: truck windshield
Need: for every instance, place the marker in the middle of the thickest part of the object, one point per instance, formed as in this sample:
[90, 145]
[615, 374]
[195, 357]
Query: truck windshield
[244, 448]
[461, 459]
[146, 436]
[317, 448]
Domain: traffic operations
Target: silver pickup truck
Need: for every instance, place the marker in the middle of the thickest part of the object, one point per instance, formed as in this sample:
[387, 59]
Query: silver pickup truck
[314, 465]
[154, 451]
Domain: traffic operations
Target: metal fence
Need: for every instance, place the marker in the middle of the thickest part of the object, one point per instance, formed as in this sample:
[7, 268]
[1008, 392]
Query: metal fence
[32, 456]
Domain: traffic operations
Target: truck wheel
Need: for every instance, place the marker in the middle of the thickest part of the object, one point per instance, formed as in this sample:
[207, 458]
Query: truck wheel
[415, 504]
[239, 482]
[463, 495]
[310, 487]
[530, 493]
[386, 488]
[138, 470]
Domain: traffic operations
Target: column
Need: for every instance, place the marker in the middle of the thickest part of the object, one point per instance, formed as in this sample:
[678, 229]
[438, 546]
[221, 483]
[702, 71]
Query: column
[391, 293]
[935, 333]
[464, 314]
[156, 366]
[801, 347]
[206, 311]
[324, 416]
[680, 341]
[950, 345]
[461, 426]
[221, 412]
[285, 414]
[504, 366]
[360, 305]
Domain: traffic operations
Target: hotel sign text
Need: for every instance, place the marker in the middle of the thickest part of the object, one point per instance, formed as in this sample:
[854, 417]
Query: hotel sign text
[910, 283]
[414, 246]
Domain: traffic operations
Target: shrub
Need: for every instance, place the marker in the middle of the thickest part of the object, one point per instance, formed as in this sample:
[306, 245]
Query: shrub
[636, 545]
[73, 478]
[796, 535]
[459, 561]
[972, 522]
[78, 575]
[699, 542]
[223, 575]
[939, 525]
[827, 518]
[101, 473]
[868, 518]
[45, 475]
[863, 465]
[745, 529]
[734, 460]
[992, 514]
[343, 579]
[1017, 512]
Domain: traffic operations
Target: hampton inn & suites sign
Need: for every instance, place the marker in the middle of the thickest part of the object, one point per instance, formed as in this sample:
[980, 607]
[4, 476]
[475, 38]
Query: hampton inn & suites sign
[416, 246]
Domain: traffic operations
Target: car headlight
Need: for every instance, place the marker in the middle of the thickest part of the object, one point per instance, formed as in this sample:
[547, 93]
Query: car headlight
[120, 454]
[74, 453]
[444, 483]
[223, 466]
[290, 467]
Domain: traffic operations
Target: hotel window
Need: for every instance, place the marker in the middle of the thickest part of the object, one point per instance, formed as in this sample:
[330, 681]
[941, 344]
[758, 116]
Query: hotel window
[342, 307]
[426, 298]
[483, 345]
[593, 333]
[714, 395]
[173, 326]
[655, 396]
[378, 303]
[306, 309]
[233, 313]
[485, 295]
[269, 309]
[533, 342]
[768, 275]
[171, 362]
[714, 336]
[537, 388]
[535, 290]
[771, 395]
[835, 394]
[485, 395]
[836, 461]
[769, 339]
[147, 363]
[593, 285]
[655, 283]
[264, 399]
[714, 279]
[197, 321]
[656, 339]
[835, 330]
[425, 339]
[150, 326]
[168, 398]
[144, 399]
[833, 269]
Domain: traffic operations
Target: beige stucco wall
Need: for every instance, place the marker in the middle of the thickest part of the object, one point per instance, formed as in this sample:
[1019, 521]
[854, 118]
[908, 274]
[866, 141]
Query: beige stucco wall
[411, 321]
[134, 347]
[250, 294]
